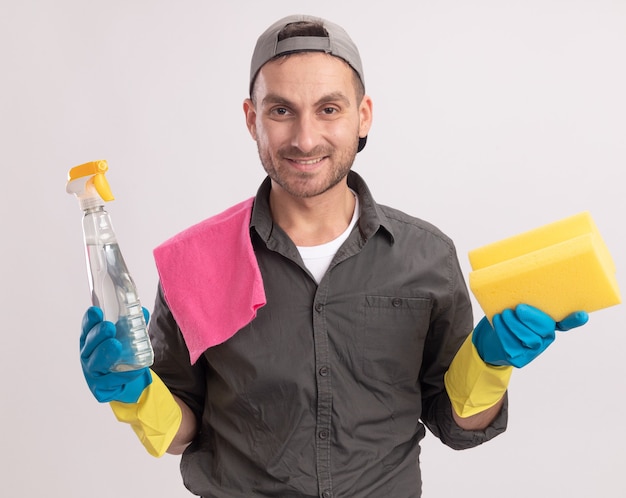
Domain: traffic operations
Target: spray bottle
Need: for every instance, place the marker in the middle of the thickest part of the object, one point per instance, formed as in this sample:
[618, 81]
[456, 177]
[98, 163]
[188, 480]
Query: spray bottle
[112, 288]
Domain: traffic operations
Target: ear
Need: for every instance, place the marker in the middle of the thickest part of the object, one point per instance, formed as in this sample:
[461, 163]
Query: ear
[250, 112]
[366, 115]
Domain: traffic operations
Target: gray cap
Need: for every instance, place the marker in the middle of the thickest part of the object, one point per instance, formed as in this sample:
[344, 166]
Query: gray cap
[337, 43]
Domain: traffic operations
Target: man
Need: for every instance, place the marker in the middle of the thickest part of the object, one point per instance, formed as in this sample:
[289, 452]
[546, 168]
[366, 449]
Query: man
[304, 338]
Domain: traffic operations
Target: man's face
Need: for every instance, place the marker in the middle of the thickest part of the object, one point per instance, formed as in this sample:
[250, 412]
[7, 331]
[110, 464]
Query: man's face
[306, 121]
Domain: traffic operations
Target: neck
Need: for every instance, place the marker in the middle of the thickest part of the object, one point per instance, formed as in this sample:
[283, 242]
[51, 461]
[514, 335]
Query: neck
[314, 220]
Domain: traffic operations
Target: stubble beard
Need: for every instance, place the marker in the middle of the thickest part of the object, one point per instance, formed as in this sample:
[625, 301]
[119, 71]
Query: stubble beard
[302, 184]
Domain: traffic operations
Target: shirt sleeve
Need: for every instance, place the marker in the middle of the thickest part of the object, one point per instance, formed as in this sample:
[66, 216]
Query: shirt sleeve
[171, 358]
[451, 323]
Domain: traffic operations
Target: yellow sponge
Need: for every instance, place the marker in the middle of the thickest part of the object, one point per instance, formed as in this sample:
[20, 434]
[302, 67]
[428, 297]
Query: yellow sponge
[559, 268]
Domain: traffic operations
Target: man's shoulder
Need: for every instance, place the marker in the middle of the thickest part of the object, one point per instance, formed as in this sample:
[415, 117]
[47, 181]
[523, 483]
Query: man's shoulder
[233, 218]
[403, 222]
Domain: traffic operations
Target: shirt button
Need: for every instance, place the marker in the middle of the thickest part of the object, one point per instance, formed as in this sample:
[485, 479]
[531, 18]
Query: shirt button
[323, 371]
[323, 435]
[396, 302]
[326, 494]
[319, 307]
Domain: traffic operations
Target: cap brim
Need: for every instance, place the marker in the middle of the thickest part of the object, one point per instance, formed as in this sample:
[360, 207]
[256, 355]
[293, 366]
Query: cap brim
[362, 142]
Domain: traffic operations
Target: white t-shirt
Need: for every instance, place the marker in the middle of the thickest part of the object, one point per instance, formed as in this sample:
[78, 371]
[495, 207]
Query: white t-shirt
[317, 258]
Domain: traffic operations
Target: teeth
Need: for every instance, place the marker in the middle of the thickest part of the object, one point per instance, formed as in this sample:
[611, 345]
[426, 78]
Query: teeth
[309, 162]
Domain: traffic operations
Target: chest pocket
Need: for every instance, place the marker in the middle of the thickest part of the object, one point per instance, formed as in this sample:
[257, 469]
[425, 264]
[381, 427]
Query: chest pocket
[394, 331]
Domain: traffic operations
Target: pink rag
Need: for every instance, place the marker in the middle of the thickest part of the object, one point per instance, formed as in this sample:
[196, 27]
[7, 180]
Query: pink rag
[211, 278]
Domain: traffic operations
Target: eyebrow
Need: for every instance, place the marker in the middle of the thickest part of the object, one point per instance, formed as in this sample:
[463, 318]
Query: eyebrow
[273, 98]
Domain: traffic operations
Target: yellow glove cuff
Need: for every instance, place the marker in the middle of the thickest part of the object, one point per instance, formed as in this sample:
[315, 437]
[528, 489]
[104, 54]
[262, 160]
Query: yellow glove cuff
[155, 417]
[472, 385]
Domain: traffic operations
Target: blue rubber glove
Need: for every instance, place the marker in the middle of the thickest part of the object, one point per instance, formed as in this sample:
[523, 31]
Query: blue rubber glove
[519, 336]
[99, 351]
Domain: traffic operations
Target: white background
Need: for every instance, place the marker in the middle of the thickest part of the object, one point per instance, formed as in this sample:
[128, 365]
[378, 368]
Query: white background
[491, 118]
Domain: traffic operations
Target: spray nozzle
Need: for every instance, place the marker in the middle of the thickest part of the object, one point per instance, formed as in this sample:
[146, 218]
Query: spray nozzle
[89, 184]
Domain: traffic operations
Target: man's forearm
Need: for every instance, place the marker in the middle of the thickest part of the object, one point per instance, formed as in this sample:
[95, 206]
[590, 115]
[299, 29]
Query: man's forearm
[480, 421]
[187, 430]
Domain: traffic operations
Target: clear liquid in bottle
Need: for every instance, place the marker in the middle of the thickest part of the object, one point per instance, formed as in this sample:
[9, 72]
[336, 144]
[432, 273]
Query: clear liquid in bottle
[114, 291]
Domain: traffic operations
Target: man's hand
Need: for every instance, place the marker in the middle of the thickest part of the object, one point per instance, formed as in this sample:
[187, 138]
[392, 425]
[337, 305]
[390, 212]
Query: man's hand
[99, 352]
[518, 336]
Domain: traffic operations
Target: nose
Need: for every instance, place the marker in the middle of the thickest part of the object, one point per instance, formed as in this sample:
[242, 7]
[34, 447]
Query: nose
[306, 133]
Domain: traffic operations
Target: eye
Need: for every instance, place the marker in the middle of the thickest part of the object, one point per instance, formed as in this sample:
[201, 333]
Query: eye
[329, 111]
[280, 111]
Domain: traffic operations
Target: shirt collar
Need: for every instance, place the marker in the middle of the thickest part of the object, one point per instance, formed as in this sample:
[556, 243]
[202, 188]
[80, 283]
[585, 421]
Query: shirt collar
[370, 221]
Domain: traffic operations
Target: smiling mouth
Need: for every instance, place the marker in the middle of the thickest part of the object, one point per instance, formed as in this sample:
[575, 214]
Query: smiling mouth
[307, 162]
